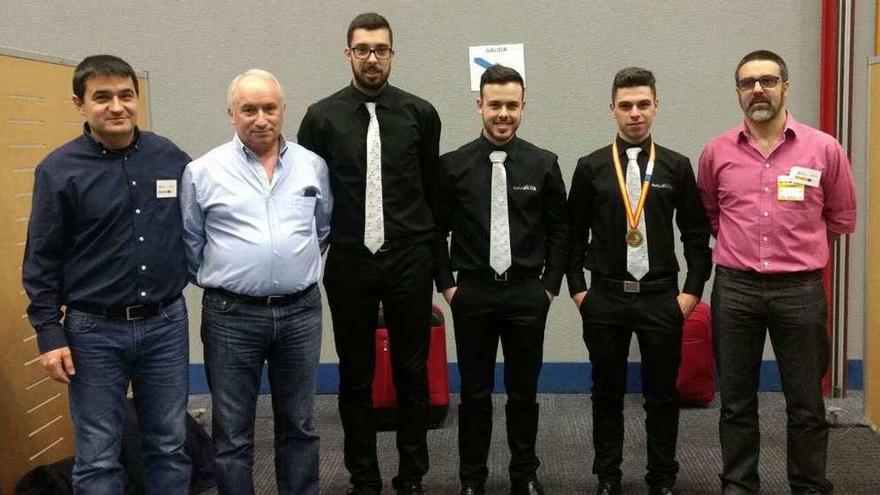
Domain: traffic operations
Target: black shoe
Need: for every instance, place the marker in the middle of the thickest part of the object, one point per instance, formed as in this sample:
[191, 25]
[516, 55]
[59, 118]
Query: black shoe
[411, 487]
[472, 490]
[661, 490]
[362, 490]
[608, 488]
[531, 487]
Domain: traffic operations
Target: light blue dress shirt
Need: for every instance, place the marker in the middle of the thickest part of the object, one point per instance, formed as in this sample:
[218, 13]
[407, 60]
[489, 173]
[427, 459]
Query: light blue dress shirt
[248, 235]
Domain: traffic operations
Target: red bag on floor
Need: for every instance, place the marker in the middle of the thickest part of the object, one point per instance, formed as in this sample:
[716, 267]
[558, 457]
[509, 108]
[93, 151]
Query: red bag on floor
[384, 393]
[696, 374]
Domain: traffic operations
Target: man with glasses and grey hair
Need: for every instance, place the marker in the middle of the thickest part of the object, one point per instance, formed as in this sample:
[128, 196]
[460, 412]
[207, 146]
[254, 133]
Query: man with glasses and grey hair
[381, 145]
[256, 216]
[777, 192]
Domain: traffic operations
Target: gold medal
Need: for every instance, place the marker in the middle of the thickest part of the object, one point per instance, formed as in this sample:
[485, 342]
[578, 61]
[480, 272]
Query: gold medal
[634, 238]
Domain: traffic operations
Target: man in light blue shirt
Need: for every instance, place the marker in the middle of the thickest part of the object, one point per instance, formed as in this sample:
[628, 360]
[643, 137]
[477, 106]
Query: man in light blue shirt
[256, 216]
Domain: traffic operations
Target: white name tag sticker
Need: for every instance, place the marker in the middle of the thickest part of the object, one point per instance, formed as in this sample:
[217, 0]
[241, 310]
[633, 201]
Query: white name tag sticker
[166, 188]
[788, 190]
[805, 176]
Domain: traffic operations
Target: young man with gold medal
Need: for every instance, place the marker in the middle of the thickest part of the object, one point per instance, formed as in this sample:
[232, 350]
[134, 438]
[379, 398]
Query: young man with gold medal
[622, 203]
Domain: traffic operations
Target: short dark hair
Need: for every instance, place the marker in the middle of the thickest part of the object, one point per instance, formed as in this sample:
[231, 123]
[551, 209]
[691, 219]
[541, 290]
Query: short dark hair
[101, 65]
[370, 21]
[500, 74]
[632, 77]
[762, 55]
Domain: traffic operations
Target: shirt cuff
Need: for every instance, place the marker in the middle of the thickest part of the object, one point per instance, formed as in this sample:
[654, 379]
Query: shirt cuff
[576, 283]
[693, 287]
[444, 280]
[51, 337]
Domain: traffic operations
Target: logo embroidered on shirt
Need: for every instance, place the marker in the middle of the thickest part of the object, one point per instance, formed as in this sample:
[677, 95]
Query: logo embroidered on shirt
[527, 187]
[662, 185]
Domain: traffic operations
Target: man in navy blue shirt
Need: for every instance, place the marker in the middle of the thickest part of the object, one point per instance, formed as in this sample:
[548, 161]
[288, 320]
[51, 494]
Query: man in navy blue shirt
[104, 241]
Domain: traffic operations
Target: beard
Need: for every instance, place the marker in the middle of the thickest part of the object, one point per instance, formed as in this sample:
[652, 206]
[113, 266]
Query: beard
[763, 110]
[369, 84]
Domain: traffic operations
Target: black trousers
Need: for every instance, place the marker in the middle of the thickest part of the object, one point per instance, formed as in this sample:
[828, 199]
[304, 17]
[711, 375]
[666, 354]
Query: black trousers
[356, 281]
[610, 318]
[791, 309]
[515, 313]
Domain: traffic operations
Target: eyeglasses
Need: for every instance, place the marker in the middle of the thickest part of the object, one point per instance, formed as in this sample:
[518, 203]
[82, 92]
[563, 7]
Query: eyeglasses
[362, 52]
[748, 83]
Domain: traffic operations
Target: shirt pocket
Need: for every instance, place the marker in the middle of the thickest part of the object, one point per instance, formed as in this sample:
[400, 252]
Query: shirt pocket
[301, 215]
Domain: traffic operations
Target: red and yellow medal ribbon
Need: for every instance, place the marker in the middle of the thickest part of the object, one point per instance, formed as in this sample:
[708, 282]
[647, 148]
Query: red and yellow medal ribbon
[633, 216]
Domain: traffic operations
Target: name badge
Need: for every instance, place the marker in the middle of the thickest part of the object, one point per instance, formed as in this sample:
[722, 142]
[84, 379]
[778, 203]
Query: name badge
[805, 176]
[788, 190]
[166, 188]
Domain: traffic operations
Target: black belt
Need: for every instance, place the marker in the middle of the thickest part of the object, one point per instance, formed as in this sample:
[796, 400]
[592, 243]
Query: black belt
[275, 300]
[776, 277]
[129, 312]
[389, 245]
[633, 287]
[489, 276]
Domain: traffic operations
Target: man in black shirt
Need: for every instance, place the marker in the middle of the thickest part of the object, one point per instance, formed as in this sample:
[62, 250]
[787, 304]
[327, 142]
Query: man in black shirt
[104, 239]
[622, 231]
[381, 145]
[503, 199]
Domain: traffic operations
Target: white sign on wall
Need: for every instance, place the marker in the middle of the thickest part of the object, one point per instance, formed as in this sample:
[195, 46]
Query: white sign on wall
[482, 57]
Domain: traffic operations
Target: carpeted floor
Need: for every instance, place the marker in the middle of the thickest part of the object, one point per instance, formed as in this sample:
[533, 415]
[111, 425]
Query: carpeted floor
[566, 456]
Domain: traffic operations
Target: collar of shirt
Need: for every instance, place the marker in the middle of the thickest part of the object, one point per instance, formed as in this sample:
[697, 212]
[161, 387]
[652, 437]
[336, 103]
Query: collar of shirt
[102, 150]
[623, 145]
[357, 98]
[512, 148]
[791, 129]
[249, 153]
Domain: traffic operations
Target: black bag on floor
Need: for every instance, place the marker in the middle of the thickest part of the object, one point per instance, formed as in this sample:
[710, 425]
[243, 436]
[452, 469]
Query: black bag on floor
[55, 479]
[198, 446]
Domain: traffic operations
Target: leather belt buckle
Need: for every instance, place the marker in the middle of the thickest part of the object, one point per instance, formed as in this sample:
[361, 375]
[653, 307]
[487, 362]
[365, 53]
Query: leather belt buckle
[631, 287]
[134, 313]
[500, 278]
[273, 300]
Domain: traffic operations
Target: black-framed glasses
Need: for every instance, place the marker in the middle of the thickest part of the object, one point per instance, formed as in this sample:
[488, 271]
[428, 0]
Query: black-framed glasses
[748, 83]
[362, 52]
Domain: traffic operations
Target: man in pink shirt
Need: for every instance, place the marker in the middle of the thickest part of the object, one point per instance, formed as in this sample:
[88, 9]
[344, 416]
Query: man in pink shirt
[776, 193]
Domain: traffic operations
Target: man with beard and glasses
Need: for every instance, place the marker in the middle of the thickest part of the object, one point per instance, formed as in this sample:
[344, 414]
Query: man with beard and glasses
[381, 145]
[503, 199]
[777, 192]
[623, 199]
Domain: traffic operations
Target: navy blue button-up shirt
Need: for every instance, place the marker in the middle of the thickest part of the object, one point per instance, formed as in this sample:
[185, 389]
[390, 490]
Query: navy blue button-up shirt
[105, 230]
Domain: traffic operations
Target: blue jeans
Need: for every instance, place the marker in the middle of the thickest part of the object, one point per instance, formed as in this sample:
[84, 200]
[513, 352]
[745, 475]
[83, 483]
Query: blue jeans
[238, 339]
[153, 354]
[791, 308]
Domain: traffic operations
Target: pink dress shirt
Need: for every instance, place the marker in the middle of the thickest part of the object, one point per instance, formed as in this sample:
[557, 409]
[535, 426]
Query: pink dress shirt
[754, 230]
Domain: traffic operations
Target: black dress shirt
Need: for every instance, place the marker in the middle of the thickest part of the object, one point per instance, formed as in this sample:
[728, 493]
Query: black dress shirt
[599, 220]
[98, 234]
[535, 205]
[336, 129]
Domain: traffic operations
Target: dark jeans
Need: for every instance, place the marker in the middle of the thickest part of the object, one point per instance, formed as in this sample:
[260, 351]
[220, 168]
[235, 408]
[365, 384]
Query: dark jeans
[154, 355]
[792, 309]
[238, 339]
[356, 281]
[610, 318]
[515, 313]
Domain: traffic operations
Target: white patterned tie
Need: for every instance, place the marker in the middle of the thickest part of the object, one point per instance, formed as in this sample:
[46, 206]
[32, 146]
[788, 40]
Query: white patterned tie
[499, 227]
[636, 257]
[374, 216]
